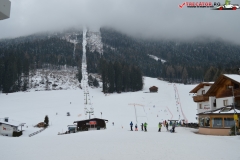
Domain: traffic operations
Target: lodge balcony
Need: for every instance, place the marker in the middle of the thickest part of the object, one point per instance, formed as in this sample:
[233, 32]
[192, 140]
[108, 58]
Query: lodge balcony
[200, 98]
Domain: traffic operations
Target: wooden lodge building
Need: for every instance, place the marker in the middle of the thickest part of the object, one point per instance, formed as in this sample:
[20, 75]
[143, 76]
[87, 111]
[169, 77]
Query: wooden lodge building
[215, 104]
[91, 124]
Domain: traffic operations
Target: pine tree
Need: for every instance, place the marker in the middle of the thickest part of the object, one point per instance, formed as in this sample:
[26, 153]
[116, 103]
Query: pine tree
[46, 120]
[1, 73]
[111, 84]
[90, 80]
[95, 83]
[104, 71]
[79, 75]
[118, 77]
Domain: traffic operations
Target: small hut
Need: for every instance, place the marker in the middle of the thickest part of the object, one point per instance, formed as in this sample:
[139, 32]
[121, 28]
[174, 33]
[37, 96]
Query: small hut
[91, 124]
[153, 89]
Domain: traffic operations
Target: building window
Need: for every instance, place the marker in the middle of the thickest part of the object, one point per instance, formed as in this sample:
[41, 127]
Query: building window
[201, 122]
[228, 122]
[236, 86]
[225, 102]
[217, 122]
[207, 122]
[203, 92]
[200, 106]
[214, 103]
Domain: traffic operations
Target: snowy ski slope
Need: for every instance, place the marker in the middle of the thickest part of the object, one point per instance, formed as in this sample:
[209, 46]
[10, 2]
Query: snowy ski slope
[116, 142]
[172, 101]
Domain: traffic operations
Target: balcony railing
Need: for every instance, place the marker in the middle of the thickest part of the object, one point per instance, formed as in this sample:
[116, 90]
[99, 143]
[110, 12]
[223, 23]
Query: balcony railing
[200, 98]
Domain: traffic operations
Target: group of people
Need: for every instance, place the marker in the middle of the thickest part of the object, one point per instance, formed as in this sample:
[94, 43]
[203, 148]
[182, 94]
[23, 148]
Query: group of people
[143, 125]
[165, 124]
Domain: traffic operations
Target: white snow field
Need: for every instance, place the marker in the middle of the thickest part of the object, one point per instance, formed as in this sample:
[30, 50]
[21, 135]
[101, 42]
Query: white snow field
[116, 142]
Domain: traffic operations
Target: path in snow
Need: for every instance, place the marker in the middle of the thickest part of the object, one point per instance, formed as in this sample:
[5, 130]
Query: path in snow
[88, 108]
[178, 104]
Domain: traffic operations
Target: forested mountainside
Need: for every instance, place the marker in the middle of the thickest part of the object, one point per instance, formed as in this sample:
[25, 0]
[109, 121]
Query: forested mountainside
[18, 57]
[187, 62]
[174, 61]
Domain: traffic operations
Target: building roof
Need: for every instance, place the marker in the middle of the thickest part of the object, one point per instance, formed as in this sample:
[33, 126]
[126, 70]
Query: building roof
[153, 87]
[222, 110]
[201, 85]
[11, 122]
[72, 126]
[221, 79]
[234, 77]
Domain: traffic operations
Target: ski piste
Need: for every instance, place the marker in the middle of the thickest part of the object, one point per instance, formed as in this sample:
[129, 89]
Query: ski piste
[88, 108]
[178, 104]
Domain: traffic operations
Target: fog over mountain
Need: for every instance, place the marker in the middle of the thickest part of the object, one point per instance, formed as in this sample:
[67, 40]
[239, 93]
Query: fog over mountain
[144, 18]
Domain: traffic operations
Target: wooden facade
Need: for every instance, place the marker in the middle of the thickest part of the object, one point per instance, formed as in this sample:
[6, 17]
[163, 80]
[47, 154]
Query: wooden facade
[200, 98]
[153, 89]
[199, 86]
[221, 88]
[203, 97]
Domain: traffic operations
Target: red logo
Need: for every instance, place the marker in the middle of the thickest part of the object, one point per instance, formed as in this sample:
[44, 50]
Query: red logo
[92, 122]
[180, 6]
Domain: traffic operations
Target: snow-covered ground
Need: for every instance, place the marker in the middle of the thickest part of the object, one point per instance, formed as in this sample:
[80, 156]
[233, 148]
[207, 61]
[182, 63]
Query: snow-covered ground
[94, 41]
[156, 58]
[116, 142]
[53, 79]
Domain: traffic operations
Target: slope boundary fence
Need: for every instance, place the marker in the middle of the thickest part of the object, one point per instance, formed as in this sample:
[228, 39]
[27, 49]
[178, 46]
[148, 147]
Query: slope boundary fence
[33, 134]
[170, 112]
[178, 99]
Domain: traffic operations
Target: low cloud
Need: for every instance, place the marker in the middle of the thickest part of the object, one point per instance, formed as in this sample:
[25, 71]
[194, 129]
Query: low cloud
[146, 18]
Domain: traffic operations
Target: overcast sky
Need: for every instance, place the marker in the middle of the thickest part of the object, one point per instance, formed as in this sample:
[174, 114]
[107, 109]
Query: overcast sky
[147, 18]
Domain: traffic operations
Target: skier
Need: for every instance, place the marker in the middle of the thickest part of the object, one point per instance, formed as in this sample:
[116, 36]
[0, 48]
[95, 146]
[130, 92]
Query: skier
[136, 128]
[159, 126]
[131, 125]
[142, 126]
[173, 127]
[113, 123]
[145, 126]
[167, 126]
[164, 124]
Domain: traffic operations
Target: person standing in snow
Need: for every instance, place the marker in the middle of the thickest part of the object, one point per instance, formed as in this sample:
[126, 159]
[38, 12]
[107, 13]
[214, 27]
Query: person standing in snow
[142, 126]
[131, 125]
[167, 126]
[136, 128]
[145, 126]
[159, 126]
[173, 127]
